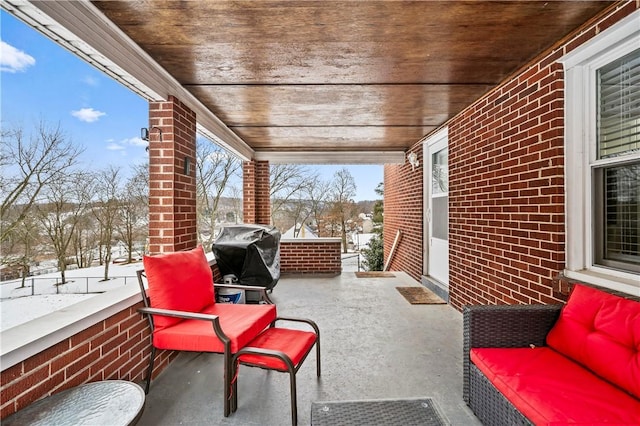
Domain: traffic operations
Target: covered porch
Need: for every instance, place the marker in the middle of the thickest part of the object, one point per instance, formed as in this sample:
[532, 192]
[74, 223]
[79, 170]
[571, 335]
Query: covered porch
[509, 242]
[375, 345]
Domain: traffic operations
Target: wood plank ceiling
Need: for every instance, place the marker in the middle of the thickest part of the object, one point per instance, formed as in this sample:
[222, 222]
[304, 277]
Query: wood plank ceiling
[336, 76]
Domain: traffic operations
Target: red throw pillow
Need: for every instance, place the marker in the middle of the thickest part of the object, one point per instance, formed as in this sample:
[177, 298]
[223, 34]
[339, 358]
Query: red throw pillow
[602, 332]
[179, 281]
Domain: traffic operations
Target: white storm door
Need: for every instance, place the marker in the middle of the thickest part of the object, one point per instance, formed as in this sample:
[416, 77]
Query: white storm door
[437, 178]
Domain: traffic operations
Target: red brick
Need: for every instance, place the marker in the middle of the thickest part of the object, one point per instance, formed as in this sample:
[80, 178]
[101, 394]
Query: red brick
[506, 160]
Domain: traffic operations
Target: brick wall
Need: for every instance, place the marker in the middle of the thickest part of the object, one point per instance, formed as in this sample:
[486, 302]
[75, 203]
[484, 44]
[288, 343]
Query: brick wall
[403, 210]
[249, 191]
[256, 201]
[506, 187]
[116, 348]
[172, 193]
[506, 199]
[310, 257]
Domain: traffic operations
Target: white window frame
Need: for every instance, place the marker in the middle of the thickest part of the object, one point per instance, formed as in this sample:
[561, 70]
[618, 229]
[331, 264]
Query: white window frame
[580, 67]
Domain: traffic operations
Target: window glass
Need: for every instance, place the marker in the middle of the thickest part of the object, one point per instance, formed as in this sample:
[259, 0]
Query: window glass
[440, 172]
[619, 106]
[617, 184]
[618, 244]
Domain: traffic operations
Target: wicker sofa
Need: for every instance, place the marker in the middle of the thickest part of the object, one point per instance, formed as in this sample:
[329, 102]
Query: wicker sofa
[542, 364]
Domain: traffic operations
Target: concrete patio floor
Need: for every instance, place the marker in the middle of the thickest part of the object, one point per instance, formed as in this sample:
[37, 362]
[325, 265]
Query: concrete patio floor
[375, 345]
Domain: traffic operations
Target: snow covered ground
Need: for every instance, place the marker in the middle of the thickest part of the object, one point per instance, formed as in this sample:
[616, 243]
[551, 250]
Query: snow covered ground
[21, 304]
[41, 294]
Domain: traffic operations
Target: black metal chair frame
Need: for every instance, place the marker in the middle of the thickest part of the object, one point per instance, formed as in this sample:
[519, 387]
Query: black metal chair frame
[291, 369]
[230, 359]
[215, 323]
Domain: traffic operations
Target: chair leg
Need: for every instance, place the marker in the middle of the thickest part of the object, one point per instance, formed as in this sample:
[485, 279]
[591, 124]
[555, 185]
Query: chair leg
[234, 386]
[318, 354]
[227, 382]
[150, 369]
[294, 398]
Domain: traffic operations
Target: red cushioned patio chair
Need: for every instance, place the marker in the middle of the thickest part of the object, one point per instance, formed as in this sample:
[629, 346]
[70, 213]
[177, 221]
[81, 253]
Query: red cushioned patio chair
[183, 315]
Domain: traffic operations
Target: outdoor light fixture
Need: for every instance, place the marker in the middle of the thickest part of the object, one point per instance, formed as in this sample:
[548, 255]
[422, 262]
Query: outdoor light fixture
[144, 133]
[413, 160]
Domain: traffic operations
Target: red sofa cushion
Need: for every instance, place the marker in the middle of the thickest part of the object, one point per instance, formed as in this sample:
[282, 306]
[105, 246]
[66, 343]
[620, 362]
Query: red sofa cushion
[294, 343]
[550, 389]
[601, 332]
[180, 281]
[241, 323]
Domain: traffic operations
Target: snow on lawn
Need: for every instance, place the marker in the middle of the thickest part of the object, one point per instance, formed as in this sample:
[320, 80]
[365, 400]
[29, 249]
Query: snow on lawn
[18, 305]
[22, 309]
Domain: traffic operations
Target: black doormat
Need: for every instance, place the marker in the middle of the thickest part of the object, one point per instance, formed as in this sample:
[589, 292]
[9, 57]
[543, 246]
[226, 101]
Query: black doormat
[374, 274]
[383, 412]
[420, 296]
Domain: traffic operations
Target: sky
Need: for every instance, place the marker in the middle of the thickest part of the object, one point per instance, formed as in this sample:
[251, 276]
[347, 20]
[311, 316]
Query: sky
[43, 82]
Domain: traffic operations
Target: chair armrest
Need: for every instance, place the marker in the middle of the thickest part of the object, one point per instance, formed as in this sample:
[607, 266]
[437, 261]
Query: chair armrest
[215, 321]
[303, 320]
[508, 326]
[178, 314]
[264, 297]
[504, 326]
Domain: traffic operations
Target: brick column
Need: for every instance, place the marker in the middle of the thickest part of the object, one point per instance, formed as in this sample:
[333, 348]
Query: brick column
[256, 203]
[172, 193]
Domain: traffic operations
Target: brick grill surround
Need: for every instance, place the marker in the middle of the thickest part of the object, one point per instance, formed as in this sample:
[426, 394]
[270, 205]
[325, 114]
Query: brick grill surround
[312, 257]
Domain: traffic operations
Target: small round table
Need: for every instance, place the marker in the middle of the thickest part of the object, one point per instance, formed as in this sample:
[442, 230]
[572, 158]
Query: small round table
[109, 402]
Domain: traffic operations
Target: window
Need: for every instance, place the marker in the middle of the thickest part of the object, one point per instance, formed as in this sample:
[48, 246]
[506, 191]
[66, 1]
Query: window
[602, 159]
[617, 182]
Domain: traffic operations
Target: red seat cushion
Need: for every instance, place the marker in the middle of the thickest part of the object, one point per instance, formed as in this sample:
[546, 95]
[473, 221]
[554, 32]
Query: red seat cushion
[241, 323]
[601, 332]
[550, 389]
[180, 281]
[294, 343]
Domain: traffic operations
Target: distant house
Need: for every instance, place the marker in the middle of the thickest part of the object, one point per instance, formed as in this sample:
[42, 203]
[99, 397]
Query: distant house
[299, 231]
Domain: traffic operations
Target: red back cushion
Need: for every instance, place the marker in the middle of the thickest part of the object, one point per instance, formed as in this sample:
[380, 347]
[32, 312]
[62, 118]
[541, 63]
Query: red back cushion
[602, 332]
[180, 281]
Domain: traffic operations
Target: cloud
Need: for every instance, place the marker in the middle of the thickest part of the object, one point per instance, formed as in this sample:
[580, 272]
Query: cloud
[13, 60]
[88, 115]
[115, 147]
[90, 81]
[135, 141]
[124, 143]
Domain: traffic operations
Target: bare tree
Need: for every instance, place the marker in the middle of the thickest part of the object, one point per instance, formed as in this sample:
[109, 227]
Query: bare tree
[308, 209]
[289, 182]
[214, 169]
[19, 251]
[342, 191]
[318, 194]
[106, 210]
[85, 240]
[133, 223]
[235, 191]
[29, 164]
[65, 201]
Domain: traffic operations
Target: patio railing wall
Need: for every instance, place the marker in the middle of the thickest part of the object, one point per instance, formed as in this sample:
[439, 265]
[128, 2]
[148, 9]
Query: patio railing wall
[310, 256]
[115, 348]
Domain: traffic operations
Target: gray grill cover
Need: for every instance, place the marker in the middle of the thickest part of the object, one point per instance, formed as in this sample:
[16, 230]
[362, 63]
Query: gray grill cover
[250, 252]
